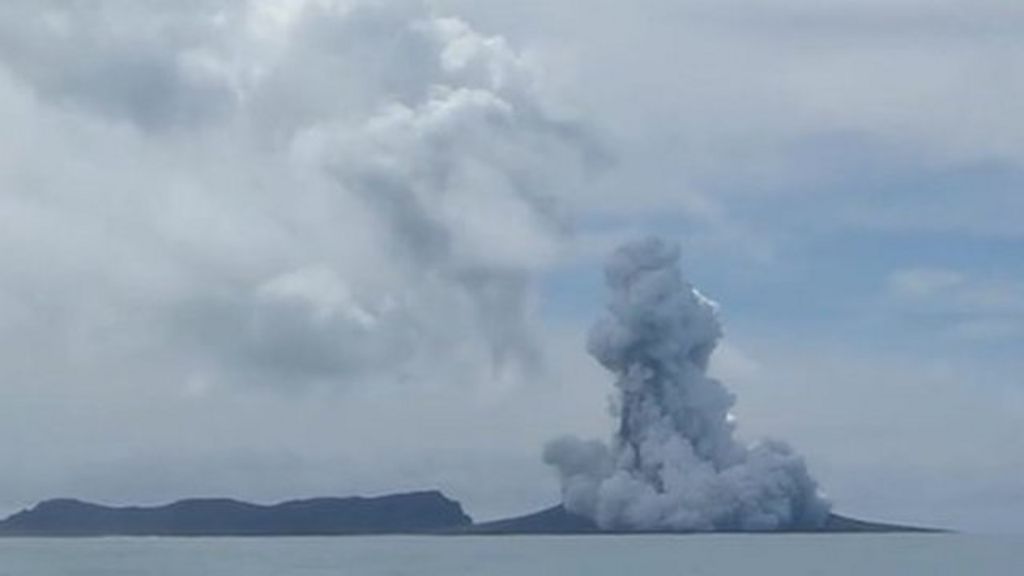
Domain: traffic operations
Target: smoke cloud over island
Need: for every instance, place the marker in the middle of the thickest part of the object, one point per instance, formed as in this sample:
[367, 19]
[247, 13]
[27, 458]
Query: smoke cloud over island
[284, 248]
[674, 463]
[214, 208]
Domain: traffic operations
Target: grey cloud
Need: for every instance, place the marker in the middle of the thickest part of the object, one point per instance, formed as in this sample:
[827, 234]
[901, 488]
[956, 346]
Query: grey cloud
[673, 463]
[898, 22]
[404, 156]
[706, 116]
[292, 236]
[155, 68]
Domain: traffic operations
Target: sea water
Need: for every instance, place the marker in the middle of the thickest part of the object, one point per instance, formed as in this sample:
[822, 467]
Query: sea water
[706, 555]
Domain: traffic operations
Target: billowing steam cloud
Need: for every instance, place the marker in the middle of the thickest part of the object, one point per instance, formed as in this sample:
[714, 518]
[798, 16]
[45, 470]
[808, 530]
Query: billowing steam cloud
[673, 462]
[212, 208]
[320, 191]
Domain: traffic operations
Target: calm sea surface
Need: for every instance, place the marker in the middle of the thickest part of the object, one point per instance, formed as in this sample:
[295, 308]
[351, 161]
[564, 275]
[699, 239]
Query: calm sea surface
[932, 555]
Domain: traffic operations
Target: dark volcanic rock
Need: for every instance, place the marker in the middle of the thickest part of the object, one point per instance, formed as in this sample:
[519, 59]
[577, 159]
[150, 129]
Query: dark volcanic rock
[556, 520]
[396, 514]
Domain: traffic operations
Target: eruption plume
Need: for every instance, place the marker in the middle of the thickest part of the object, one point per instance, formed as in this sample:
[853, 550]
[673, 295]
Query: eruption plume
[673, 463]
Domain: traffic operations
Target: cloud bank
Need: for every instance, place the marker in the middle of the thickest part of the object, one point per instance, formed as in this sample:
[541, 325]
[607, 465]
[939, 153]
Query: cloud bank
[286, 192]
[234, 234]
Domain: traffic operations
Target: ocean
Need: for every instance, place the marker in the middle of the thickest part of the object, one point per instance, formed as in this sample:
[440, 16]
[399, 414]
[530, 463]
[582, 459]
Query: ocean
[704, 555]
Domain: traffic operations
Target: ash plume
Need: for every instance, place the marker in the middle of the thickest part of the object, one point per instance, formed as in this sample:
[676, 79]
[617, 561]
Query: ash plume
[674, 463]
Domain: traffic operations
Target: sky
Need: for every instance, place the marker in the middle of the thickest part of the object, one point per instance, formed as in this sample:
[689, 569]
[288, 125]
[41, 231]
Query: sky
[272, 249]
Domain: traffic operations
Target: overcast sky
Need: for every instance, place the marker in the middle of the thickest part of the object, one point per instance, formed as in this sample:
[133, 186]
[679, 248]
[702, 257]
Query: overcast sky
[275, 249]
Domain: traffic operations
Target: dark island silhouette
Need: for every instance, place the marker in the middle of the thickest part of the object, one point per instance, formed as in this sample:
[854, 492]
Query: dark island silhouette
[417, 512]
[427, 512]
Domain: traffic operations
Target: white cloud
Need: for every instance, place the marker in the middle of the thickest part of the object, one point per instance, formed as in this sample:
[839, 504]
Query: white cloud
[719, 120]
[211, 214]
[423, 179]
